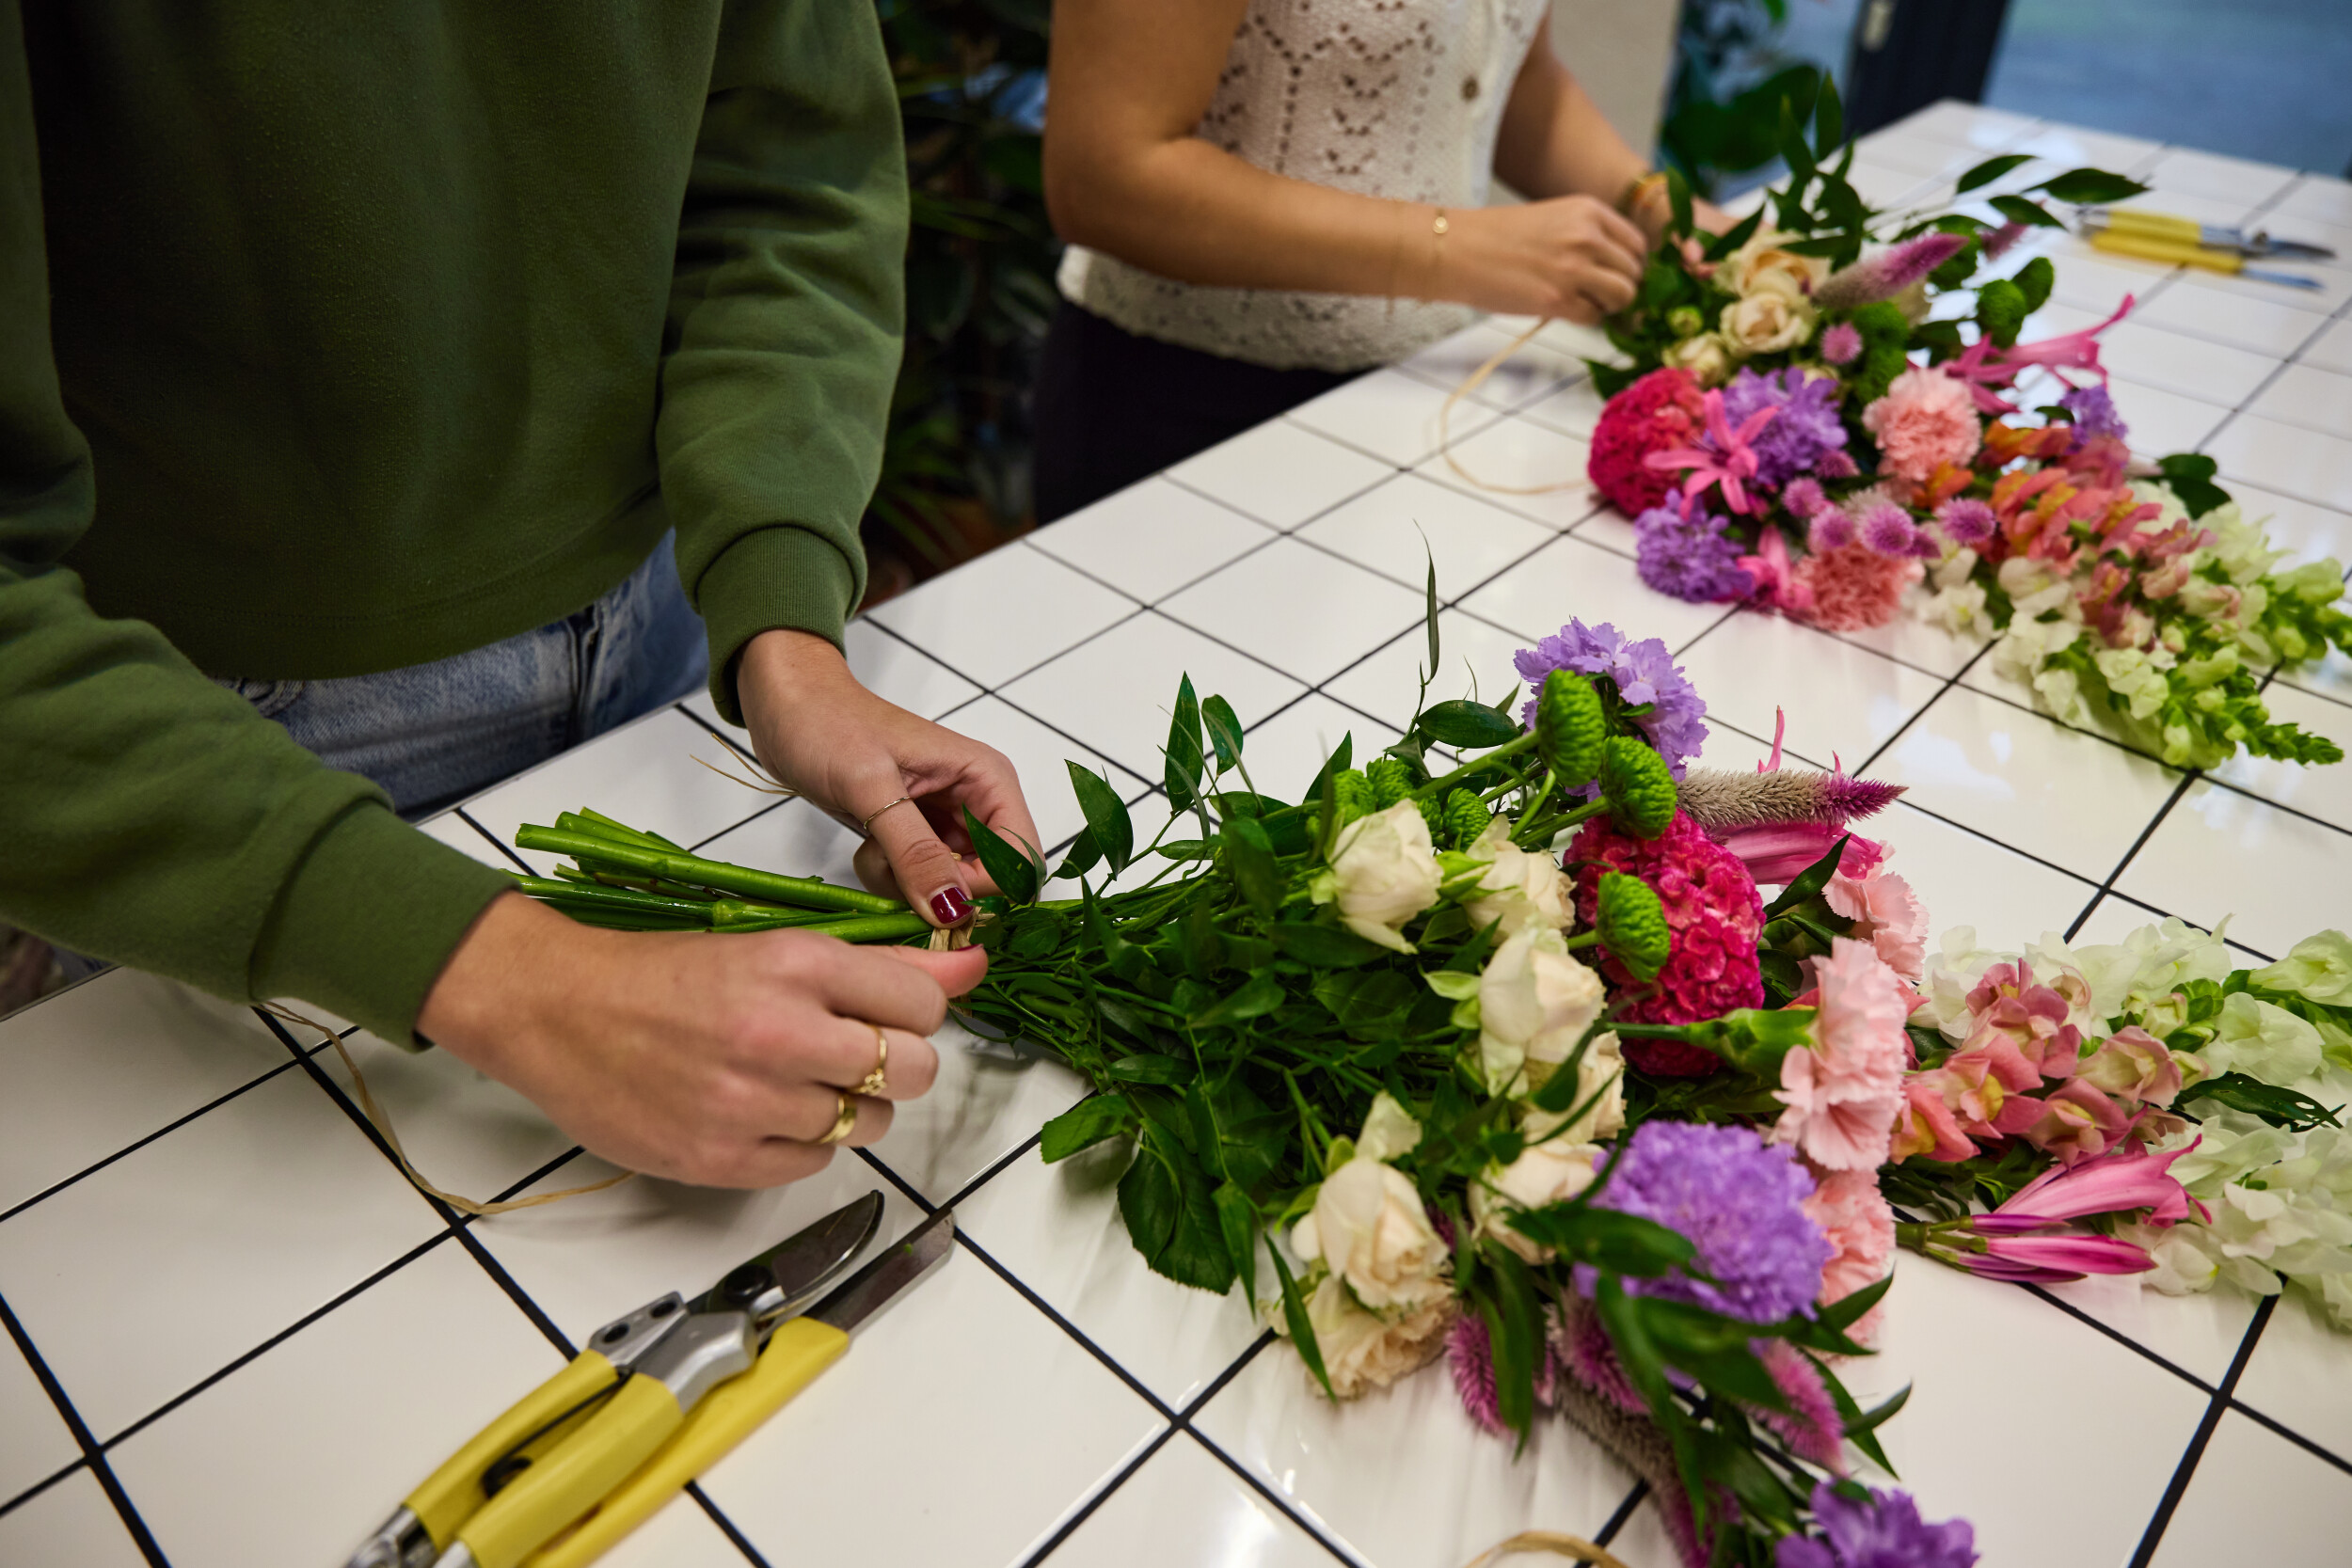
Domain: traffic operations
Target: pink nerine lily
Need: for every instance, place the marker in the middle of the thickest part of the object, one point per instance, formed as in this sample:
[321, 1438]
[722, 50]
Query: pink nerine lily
[1726, 461]
[1984, 364]
[2112, 1184]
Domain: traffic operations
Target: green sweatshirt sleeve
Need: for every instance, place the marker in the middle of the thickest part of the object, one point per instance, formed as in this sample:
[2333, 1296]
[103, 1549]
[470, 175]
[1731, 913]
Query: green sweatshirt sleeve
[152, 818]
[785, 323]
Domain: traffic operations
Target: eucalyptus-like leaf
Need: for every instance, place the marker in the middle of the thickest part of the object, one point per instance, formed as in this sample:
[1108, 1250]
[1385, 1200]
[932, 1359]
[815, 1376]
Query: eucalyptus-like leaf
[1108, 824]
[1224, 727]
[1991, 170]
[1090, 1121]
[1016, 872]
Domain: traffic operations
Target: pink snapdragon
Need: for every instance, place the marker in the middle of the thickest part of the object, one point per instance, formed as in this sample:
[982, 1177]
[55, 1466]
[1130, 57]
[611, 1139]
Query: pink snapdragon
[2134, 1065]
[1926, 1125]
[1843, 1091]
[2036, 1018]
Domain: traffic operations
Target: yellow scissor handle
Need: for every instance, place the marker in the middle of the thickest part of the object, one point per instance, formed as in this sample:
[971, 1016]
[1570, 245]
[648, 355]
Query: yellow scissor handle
[451, 1494]
[728, 1414]
[2150, 248]
[574, 1476]
[2155, 226]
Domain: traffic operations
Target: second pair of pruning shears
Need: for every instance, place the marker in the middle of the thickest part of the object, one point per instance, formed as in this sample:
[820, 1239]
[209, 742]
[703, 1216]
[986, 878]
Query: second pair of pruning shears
[2163, 237]
[658, 1396]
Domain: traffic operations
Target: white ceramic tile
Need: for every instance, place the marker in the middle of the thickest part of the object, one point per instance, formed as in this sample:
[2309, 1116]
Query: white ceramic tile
[2211, 174]
[2311, 397]
[2304, 530]
[1572, 580]
[72, 1523]
[466, 1131]
[2315, 196]
[897, 672]
[1532, 369]
[2197, 1334]
[1010, 609]
[2332, 349]
[268, 1465]
[2257, 1498]
[2163, 422]
[2327, 235]
[35, 1443]
[1038, 753]
[794, 838]
[1406, 526]
[1286, 752]
[2151, 356]
[1975, 1353]
[644, 774]
[1150, 539]
[1119, 691]
[2335, 285]
[1184, 1506]
[2076, 146]
[1474, 657]
[1843, 701]
[1298, 608]
[1884, 185]
[2094, 281]
[961, 1426]
[1388, 415]
[1401, 1477]
[1965, 880]
[2022, 779]
[1922, 155]
[2322, 791]
[254, 1213]
[2278, 876]
[1514, 455]
[1057, 1229]
[1917, 642]
[1966, 125]
[1281, 473]
[463, 836]
[2263, 325]
[2298, 1371]
[1573, 410]
[86, 1073]
[986, 1101]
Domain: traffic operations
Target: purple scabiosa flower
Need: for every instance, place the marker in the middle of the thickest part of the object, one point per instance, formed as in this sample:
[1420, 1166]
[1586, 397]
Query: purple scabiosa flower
[1966, 520]
[1835, 464]
[1644, 672]
[1888, 272]
[2094, 413]
[1829, 530]
[1883, 1532]
[1807, 427]
[1842, 341]
[1741, 1205]
[1686, 554]
[1804, 498]
[1887, 530]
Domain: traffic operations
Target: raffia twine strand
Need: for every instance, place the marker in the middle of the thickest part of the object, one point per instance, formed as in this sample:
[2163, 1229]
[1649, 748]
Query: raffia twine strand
[1476, 379]
[383, 1124]
[1568, 1547]
[761, 780]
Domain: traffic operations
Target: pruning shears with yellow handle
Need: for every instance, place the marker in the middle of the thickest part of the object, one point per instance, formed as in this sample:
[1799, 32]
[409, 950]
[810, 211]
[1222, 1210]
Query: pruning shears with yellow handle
[2165, 237]
[658, 1396]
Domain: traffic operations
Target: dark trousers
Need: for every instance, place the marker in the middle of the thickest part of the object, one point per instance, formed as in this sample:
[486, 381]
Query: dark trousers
[1112, 408]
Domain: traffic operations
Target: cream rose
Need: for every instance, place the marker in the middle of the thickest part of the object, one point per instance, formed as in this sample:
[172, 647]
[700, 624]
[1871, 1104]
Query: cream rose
[1600, 1073]
[1534, 1003]
[1767, 322]
[1362, 1350]
[1524, 890]
[1548, 1172]
[1384, 871]
[1369, 1227]
[1763, 264]
[1707, 356]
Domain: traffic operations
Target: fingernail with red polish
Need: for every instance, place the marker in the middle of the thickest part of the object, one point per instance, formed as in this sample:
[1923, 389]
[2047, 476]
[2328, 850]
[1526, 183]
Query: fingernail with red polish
[950, 905]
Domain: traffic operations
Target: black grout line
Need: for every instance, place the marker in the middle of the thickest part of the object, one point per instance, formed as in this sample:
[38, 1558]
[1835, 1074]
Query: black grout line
[1027, 1293]
[2138, 844]
[497, 843]
[93, 1454]
[1085, 1510]
[777, 805]
[136, 1145]
[525, 1182]
[1281, 1504]
[1624, 1515]
[2185, 1471]
[2292, 1436]
[10, 1505]
[2115, 1334]
[985, 1176]
[524, 1302]
[716, 734]
[904, 1186]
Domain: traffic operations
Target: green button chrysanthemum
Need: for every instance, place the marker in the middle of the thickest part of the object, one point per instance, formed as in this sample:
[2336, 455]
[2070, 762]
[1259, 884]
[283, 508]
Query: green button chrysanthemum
[1631, 923]
[1570, 727]
[1390, 780]
[1640, 791]
[1465, 818]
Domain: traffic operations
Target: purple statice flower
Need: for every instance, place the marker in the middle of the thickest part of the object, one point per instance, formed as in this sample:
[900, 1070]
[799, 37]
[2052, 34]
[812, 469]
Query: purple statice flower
[1807, 427]
[1830, 529]
[1686, 554]
[1888, 272]
[1887, 530]
[1645, 672]
[2094, 413]
[1804, 498]
[1739, 1202]
[1884, 1532]
[1842, 341]
[1966, 520]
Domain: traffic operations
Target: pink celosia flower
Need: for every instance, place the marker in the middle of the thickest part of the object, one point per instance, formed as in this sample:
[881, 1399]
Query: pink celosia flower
[1925, 419]
[1996, 243]
[1926, 1125]
[2132, 1064]
[2113, 1184]
[1888, 272]
[1810, 1426]
[1841, 342]
[1842, 1093]
[1888, 915]
[1855, 587]
[1848, 1208]
[2077, 1123]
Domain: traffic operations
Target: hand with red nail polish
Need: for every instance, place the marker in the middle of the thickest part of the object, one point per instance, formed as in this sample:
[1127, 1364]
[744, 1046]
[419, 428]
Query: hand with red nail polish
[855, 756]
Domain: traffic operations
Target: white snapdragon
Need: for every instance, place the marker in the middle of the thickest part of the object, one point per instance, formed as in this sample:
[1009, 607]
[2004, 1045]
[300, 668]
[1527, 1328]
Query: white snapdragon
[2139, 975]
[1384, 871]
[2137, 676]
[1535, 1001]
[2262, 1040]
[1951, 975]
[2319, 968]
[1523, 890]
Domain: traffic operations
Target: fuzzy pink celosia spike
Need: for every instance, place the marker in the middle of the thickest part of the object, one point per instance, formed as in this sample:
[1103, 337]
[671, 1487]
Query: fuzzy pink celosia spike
[1888, 272]
[1851, 797]
[1722, 802]
[1810, 1426]
[1469, 1355]
[1994, 245]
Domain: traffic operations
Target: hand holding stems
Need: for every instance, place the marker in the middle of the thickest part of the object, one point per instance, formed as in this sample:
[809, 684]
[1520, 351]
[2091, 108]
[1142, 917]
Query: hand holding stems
[818, 730]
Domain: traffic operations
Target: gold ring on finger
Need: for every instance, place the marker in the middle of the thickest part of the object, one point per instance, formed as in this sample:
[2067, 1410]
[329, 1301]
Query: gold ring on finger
[873, 1082]
[865, 824]
[842, 1122]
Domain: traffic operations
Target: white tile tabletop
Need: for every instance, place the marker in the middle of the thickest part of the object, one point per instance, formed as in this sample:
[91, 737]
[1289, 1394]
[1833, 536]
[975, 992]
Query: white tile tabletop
[234, 1333]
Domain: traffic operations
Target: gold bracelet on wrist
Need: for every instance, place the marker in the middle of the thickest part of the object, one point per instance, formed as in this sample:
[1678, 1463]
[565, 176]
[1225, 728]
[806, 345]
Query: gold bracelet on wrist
[1638, 190]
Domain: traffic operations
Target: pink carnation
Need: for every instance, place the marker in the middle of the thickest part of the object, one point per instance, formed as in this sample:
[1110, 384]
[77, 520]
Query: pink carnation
[1715, 914]
[1925, 419]
[1661, 411]
[1855, 587]
[1842, 1093]
[1852, 1214]
[1888, 915]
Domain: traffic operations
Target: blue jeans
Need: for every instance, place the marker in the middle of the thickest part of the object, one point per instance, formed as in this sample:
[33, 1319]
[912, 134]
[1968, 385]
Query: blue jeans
[433, 734]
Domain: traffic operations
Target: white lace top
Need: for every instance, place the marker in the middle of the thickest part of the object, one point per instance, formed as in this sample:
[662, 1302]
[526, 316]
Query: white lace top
[1399, 99]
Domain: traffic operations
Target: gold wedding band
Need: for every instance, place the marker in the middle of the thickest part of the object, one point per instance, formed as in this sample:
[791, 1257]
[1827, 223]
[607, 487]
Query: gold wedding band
[842, 1123]
[873, 1084]
[867, 825]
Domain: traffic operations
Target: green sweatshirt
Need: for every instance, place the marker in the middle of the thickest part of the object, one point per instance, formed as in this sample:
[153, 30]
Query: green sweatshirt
[339, 336]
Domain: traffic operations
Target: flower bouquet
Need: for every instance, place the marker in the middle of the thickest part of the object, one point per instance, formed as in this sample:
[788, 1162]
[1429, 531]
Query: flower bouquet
[1504, 1057]
[1821, 415]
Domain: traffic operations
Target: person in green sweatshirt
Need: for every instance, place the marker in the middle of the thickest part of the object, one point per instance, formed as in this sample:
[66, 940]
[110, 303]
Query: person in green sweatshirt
[358, 369]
